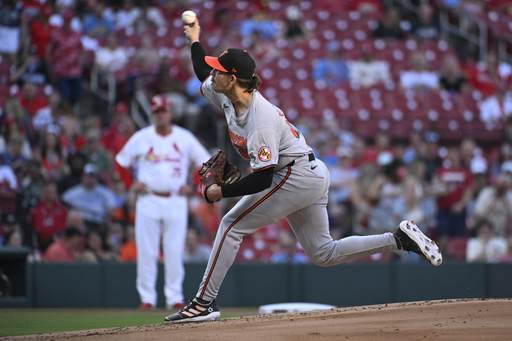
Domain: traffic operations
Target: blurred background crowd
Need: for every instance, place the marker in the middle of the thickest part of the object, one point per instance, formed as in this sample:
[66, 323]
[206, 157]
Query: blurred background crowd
[409, 103]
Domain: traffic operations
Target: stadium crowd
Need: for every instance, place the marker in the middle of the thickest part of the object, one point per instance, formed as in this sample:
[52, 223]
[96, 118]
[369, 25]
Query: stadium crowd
[411, 122]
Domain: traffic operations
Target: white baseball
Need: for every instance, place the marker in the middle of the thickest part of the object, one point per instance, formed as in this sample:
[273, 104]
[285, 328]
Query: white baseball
[188, 17]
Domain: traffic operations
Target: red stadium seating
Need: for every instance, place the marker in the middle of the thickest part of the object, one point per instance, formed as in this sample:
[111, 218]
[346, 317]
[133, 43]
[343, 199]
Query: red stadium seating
[456, 249]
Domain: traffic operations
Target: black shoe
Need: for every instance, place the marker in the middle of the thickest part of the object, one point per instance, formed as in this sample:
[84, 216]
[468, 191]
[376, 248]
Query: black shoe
[410, 238]
[196, 312]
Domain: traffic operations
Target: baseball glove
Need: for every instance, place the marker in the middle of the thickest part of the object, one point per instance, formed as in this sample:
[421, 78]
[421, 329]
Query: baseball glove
[218, 170]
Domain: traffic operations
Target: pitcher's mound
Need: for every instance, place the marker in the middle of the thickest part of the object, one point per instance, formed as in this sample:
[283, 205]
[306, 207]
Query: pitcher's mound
[466, 319]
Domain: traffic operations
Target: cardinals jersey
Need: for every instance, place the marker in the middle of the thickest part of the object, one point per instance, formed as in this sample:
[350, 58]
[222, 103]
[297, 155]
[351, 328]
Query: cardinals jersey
[162, 162]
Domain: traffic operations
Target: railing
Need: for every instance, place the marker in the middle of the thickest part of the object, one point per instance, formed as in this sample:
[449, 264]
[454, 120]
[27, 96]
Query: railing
[140, 107]
[505, 49]
[108, 94]
[457, 27]
[139, 104]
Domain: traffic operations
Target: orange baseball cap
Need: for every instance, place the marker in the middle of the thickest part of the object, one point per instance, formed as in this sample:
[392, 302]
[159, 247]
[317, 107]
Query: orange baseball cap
[233, 61]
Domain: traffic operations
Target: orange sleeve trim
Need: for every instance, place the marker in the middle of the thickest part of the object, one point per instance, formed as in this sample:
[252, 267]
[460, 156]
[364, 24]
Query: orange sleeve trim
[260, 169]
[201, 87]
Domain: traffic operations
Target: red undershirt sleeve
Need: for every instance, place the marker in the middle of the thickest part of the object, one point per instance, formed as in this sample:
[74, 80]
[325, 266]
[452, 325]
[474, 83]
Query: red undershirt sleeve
[124, 174]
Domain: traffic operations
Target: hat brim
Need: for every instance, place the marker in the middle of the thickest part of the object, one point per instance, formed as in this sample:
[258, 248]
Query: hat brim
[214, 63]
[159, 110]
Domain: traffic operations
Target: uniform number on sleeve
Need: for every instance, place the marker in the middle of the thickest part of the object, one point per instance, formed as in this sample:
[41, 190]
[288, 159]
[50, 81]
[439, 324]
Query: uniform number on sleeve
[292, 128]
[294, 131]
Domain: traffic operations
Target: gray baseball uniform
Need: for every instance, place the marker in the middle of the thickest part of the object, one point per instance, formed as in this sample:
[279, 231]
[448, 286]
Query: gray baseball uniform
[265, 138]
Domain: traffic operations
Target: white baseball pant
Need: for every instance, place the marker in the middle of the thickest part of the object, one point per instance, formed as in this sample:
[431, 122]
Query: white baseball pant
[165, 220]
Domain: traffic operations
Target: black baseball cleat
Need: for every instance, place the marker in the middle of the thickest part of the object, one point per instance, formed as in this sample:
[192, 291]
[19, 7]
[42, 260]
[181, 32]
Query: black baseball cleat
[196, 312]
[410, 238]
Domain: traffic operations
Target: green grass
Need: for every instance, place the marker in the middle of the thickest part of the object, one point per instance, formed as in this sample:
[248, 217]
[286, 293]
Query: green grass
[15, 322]
[29, 322]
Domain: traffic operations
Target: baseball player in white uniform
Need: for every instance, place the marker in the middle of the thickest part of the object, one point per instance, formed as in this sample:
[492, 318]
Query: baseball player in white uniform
[156, 163]
[287, 181]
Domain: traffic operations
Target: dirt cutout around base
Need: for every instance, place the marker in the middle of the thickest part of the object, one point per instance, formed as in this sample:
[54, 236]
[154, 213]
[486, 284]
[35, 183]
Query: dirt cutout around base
[461, 319]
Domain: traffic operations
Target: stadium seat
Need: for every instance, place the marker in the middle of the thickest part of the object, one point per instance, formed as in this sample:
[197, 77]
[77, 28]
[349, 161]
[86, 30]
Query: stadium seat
[255, 250]
[456, 248]
[7, 198]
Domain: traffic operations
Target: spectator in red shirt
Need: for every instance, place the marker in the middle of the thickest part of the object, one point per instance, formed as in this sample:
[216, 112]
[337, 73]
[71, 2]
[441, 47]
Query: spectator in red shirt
[51, 154]
[65, 55]
[372, 7]
[40, 31]
[382, 143]
[120, 129]
[490, 75]
[66, 248]
[453, 187]
[502, 7]
[32, 99]
[31, 8]
[49, 216]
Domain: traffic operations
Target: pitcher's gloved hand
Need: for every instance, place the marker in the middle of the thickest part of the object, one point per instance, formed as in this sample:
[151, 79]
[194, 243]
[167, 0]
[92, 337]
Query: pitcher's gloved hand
[218, 170]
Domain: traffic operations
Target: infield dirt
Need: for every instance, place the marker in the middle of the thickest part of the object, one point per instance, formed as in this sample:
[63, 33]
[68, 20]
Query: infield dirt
[466, 319]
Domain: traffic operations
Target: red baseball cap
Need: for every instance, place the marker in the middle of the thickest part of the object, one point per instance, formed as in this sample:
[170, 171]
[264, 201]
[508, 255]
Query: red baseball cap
[234, 61]
[47, 11]
[67, 15]
[9, 119]
[367, 47]
[160, 103]
[121, 108]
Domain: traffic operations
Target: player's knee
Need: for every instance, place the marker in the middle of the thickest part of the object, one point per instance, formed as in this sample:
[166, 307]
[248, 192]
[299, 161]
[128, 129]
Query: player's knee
[224, 225]
[228, 231]
[320, 259]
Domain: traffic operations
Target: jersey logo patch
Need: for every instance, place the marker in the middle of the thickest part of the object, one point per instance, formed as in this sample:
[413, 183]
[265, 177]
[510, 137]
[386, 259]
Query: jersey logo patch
[264, 154]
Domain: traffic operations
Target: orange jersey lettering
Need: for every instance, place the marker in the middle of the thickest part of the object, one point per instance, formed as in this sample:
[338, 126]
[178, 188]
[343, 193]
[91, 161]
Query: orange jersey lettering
[240, 144]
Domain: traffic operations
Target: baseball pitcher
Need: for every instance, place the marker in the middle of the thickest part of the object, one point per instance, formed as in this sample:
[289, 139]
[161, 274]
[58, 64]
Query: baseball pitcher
[287, 181]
